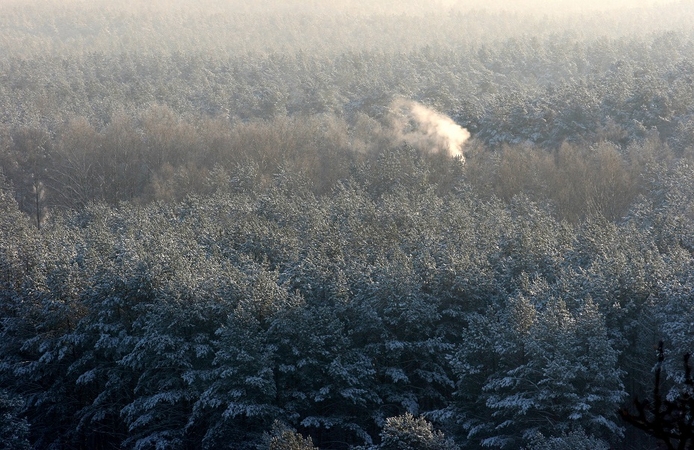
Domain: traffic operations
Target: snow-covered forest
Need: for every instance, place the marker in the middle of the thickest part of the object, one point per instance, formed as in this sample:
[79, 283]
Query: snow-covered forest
[249, 225]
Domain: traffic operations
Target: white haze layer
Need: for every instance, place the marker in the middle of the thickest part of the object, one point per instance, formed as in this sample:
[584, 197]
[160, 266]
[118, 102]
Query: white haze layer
[428, 130]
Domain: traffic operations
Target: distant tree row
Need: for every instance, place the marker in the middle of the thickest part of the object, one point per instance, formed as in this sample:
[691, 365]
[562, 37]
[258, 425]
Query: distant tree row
[140, 127]
[536, 89]
[160, 156]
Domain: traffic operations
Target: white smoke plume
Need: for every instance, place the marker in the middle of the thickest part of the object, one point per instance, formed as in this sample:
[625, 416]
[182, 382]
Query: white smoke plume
[427, 129]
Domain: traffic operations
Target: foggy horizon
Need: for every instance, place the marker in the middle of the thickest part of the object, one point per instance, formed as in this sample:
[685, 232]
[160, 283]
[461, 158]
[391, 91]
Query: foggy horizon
[63, 26]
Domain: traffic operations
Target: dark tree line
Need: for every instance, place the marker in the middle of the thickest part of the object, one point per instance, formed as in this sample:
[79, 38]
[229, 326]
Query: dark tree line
[669, 417]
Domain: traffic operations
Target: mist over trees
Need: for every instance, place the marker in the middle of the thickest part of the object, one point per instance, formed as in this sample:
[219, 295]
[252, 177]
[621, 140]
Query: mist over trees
[248, 225]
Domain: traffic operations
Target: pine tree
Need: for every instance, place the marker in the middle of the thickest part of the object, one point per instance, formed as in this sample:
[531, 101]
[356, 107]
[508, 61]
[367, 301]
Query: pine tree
[537, 370]
[407, 432]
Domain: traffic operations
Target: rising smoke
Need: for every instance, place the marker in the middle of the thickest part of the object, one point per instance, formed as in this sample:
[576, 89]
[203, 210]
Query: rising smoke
[426, 129]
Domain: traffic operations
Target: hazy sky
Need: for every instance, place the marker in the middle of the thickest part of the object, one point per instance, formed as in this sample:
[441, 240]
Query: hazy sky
[382, 5]
[29, 27]
[552, 5]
